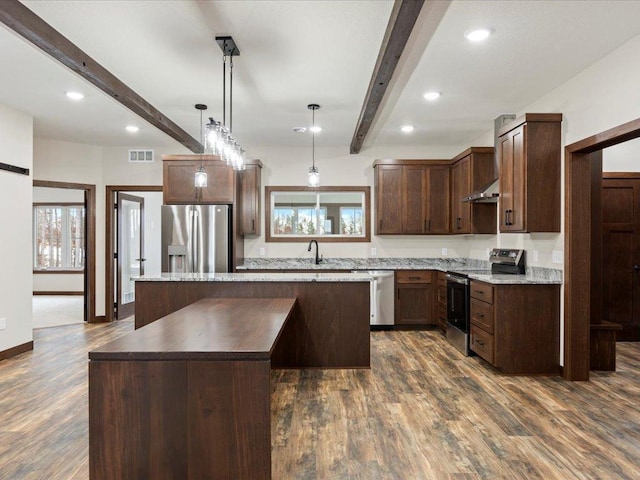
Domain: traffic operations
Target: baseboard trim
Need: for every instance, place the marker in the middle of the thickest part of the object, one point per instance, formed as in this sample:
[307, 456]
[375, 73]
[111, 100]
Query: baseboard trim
[99, 319]
[58, 293]
[17, 350]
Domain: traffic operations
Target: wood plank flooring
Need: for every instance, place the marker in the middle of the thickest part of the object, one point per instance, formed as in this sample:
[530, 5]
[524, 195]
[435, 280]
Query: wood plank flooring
[421, 412]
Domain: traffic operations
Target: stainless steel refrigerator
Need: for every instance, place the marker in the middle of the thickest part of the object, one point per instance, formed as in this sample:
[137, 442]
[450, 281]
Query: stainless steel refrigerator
[196, 238]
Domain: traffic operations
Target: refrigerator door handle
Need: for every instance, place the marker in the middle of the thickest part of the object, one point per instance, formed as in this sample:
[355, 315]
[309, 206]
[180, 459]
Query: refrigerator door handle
[195, 232]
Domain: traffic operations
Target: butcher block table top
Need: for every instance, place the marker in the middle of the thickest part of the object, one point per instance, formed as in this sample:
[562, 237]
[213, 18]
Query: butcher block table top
[209, 329]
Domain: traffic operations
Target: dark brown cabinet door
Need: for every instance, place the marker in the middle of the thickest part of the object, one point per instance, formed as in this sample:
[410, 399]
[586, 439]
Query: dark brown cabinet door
[437, 208]
[179, 186]
[414, 200]
[460, 188]
[414, 304]
[512, 181]
[389, 199]
[250, 185]
[621, 255]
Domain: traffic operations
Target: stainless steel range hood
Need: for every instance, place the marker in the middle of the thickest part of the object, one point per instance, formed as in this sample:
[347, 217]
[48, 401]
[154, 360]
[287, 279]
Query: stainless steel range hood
[489, 194]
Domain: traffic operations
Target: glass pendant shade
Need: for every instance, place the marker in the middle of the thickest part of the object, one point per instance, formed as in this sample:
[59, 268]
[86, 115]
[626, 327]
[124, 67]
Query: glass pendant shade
[314, 176]
[201, 177]
[219, 141]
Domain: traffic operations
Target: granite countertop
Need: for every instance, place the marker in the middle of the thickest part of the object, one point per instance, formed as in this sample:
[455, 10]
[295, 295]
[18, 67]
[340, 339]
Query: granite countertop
[533, 275]
[255, 277]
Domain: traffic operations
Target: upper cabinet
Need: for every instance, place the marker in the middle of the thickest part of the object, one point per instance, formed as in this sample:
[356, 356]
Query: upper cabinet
[529, 159]
[249, 198]
[178, 178]
[472, 171]
[411, 197]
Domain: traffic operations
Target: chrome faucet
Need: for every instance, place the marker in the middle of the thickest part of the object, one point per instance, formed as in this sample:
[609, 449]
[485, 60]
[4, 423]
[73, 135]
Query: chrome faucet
[318, 258]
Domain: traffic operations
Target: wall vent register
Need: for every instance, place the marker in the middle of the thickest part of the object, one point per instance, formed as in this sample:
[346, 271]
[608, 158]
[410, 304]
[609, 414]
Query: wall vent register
[140, 156]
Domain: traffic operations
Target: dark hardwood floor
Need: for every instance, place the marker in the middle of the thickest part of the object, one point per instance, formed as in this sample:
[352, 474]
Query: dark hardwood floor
[421, 412]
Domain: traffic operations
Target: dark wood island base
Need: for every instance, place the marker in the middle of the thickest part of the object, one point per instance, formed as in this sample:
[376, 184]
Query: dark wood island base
[189, 396]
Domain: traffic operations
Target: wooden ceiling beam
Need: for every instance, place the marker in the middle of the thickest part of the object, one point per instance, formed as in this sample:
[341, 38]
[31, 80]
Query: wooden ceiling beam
[24, 22]
[401, 23]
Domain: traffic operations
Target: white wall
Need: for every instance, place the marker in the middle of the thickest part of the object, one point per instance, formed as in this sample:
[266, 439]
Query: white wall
[622, 158]
[57, 282]
[16, 193]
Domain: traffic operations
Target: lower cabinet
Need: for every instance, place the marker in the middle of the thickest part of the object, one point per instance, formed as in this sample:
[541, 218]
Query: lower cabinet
[415, 297]
[441, 298]
[516, 328]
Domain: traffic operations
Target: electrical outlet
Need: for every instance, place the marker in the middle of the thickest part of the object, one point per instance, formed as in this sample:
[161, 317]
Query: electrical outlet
[444, 252]
[3, 323]
[262, 251]
[374, 252]
[557, 257]
[535, 255]
[488, 252]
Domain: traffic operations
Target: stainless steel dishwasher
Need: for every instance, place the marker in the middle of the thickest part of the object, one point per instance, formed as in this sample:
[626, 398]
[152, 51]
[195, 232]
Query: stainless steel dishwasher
[382, 308]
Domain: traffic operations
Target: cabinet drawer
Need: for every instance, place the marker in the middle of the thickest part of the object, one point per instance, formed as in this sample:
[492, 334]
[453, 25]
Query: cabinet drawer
[416, 276]
[482, 315]
[482, 291]
[482, 343]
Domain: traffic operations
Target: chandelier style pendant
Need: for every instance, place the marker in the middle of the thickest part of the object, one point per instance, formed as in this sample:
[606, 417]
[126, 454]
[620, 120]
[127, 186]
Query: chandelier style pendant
[314, 174]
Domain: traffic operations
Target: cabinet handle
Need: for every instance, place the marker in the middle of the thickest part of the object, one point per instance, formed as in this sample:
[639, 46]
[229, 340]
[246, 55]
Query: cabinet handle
[636, 268]
[480, 292]
[507, 215]
[480, 342]
[458, 221]
[253, 225]
[380, 225]
[414, 278]
[429, 225]
[480, 315]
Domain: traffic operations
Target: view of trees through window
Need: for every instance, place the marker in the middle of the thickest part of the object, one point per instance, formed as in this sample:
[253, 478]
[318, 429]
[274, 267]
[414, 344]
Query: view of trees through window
[58, 237]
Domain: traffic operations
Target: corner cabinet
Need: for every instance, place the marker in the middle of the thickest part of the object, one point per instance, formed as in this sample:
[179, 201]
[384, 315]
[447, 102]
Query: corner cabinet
[414, 303]
[412, 197]
[178, 175]
[516, 328]
[529, 159]
[249, 198]
[471, 171]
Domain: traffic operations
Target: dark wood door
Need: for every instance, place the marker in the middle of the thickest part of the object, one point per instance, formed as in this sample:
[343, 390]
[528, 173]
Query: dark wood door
[413, 205]
[437, 209]
[460, 188]
[414, 304]
[621, 255]
[389, 199]
[512, 181]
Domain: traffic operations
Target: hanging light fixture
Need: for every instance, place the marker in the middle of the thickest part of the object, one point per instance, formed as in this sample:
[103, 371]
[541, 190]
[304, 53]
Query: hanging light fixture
[314, 174]
[201, 174]
[219, 140]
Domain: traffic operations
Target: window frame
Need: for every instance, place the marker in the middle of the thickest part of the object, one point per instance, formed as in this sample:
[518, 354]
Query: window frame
[66, 207]
[366, 213]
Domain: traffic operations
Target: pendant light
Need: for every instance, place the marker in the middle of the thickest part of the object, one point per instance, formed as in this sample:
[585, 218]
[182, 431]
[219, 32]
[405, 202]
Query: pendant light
[314, 174]
[201, 174]
[219, 140]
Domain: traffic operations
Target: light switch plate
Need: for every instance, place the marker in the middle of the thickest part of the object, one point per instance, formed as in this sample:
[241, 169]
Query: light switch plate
[535, 255]
[374, 252]
[557, 257]
[262, 251]
[3, 323]
[444, 252]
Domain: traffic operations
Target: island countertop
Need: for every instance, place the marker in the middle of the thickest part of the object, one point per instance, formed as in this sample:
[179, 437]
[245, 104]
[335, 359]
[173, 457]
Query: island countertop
[255, 277]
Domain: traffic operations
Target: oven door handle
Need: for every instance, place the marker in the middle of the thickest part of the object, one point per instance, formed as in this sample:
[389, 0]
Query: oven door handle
[454, 279]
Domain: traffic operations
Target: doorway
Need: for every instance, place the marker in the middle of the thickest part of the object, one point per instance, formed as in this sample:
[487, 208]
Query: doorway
[583, 244]
[89, 271]
[132, 226]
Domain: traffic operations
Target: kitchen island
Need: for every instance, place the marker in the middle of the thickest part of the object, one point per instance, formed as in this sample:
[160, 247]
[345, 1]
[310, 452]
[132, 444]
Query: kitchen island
[329, 327]
[188, 396]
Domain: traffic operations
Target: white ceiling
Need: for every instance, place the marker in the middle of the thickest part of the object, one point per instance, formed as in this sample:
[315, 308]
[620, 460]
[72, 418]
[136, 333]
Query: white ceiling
[299, 52]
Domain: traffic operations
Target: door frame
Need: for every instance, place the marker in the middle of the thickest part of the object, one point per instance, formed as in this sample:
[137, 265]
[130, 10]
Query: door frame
[583, 168]
[110, 192]
[89, 243]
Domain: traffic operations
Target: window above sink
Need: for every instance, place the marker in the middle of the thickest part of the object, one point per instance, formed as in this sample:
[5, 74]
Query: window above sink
[328, 214]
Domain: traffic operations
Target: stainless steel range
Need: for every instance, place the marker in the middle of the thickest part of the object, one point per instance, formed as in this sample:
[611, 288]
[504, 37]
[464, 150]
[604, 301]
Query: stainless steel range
[503, 261]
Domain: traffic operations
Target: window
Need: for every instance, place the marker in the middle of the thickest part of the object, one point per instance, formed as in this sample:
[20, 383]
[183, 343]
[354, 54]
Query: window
[338, 214]
[58, 237]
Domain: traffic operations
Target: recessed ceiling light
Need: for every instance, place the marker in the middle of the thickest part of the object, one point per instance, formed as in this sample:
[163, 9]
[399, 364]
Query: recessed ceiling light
[431, 95]
[132, 128]
[407, 128]
[477, 35]
[315, 129]
[299, 129]
[75, 95]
